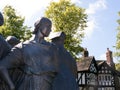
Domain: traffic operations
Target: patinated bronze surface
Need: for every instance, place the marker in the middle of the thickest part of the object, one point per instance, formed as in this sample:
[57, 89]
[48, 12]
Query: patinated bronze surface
[37, 59]
[4, 50]
[66, 78]
[40, 65]
[12, 40]
[1, 19]
[4, 46]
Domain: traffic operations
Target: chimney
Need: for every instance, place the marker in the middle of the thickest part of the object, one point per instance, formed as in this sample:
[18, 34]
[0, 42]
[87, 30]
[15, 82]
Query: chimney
[85, 53]
[109, 58]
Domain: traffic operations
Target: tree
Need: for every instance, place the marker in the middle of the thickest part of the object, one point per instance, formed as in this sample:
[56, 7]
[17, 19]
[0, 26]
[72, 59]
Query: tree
[13, 25]
[117, 65]
[117, 53]
[71, 19]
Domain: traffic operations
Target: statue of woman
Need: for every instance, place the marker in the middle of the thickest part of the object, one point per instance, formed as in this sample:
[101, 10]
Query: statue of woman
[36, 57]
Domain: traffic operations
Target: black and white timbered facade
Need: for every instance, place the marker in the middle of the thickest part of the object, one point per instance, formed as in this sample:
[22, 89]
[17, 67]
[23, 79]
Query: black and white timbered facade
[97, 74]
[106, 77]
[87, 74]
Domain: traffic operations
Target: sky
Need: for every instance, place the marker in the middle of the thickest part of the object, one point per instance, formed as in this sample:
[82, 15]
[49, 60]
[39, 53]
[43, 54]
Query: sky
[102, 16]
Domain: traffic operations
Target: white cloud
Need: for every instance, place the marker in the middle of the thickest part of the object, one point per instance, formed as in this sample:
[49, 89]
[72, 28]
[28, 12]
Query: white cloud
[26, 8]
[91, 11]
[94, 7]
[91, 25]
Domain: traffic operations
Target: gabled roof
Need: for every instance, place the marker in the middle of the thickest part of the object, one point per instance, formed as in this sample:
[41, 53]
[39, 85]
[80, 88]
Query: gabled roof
[100, 63]
[104, 63]
[83, 64]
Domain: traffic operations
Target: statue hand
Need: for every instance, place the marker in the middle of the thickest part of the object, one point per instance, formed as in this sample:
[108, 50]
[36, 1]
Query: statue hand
[12, 87]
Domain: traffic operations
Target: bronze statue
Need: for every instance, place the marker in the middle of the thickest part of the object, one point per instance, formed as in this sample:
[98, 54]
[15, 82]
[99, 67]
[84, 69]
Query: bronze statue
[1, 19]
[16, 74]
[37, 58]
[4, 50]
[67, 74]
[4, 46]
[12, 40]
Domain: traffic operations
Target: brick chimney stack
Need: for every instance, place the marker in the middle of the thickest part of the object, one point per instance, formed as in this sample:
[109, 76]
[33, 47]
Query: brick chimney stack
[109, 58]
[85, 53]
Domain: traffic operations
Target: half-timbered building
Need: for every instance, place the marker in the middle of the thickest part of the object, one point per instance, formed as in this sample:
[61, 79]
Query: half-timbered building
[97, 74]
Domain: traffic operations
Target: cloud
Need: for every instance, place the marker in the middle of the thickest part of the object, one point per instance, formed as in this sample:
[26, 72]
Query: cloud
[27, 8]
[94, 7]
[91, 25]
[91, 11]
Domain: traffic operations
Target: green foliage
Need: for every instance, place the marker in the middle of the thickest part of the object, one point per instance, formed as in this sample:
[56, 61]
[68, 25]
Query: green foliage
[117, 53]
[13, 25]
[117, 66]
[71, 19]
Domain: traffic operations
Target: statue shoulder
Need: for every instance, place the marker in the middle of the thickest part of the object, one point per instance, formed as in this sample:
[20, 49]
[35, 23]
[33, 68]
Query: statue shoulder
[54, 47]
[22, 44]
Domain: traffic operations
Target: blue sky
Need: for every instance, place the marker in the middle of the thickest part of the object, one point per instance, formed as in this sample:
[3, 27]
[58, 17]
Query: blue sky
[102, 15]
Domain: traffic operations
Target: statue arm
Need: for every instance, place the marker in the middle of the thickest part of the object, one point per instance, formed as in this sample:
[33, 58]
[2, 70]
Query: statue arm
[4, 47]
[13, 59]
[5, 76]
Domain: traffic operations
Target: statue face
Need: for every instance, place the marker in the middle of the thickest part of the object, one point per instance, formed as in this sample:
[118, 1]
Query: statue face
[46, 29]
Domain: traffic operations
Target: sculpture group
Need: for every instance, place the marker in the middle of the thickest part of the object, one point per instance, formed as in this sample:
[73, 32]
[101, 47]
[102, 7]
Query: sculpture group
[37, 64]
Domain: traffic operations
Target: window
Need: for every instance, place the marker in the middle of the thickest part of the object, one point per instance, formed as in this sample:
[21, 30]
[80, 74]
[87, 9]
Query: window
[106, 79]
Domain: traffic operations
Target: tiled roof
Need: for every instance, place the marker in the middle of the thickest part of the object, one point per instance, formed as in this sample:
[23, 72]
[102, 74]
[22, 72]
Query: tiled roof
[84, 63]
[114, 71]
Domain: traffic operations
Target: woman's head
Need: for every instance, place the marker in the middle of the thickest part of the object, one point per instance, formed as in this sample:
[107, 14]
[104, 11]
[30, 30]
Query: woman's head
[12, 40]
[43, 25]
